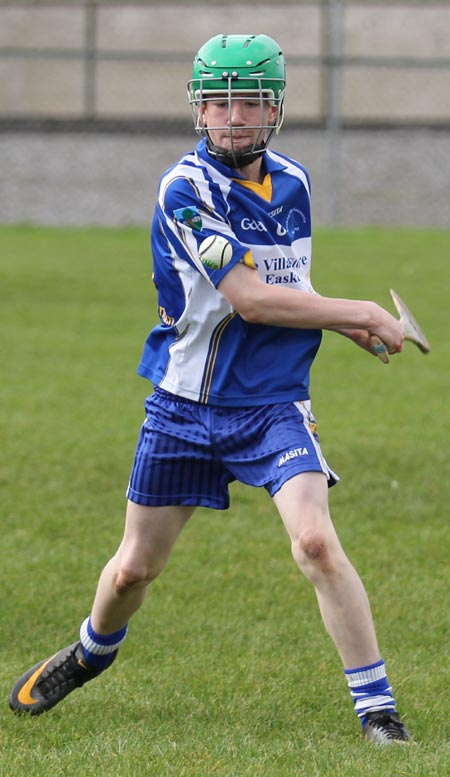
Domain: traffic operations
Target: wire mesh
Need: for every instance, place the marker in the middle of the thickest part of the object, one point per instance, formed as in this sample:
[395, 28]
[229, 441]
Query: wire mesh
[352, 68]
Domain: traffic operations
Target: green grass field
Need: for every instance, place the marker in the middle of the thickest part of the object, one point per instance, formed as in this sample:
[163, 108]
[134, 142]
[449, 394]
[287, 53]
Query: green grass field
[227, 669]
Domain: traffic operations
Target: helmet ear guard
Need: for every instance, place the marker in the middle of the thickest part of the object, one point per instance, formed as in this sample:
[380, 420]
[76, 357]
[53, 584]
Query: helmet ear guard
[238, 67]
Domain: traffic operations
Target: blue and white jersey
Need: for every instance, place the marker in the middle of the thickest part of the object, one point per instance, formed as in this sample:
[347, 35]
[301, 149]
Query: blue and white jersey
[202, 349]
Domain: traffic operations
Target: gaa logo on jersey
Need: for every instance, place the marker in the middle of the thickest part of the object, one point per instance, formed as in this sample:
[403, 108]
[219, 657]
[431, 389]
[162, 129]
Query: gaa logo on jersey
[256, 226]
[189, 216]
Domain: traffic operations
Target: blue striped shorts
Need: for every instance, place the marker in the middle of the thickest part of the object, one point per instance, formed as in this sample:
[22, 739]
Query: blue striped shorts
[189, 453]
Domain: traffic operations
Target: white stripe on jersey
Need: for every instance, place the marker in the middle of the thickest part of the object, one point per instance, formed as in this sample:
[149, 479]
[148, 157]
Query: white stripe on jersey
[291, 169]
[206, 311]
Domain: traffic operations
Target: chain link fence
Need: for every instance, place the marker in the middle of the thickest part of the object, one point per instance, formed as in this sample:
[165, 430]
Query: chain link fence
[93, 104]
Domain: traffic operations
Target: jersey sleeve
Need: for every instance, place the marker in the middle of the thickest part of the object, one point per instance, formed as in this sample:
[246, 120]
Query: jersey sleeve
[189, 212]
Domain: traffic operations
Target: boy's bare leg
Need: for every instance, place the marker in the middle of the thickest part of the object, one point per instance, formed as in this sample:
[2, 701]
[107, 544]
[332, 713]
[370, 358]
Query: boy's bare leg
[303, 505]
[149, 536]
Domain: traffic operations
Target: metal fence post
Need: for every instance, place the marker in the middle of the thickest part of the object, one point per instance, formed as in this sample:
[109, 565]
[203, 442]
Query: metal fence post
[333, 110]
[90, 60]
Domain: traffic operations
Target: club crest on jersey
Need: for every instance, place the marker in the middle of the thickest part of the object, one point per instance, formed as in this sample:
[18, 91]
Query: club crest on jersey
[189, 216]
[295, 221]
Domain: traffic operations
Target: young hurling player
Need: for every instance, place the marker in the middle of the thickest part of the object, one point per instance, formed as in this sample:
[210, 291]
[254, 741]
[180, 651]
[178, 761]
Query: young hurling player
[230, 363]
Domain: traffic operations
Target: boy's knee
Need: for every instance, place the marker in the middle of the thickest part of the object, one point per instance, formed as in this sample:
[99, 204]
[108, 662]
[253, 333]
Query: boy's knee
[130, 576]
[313, 553]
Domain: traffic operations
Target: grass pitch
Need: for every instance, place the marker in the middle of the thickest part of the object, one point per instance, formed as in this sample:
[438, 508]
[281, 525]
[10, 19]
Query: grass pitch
[227, 669]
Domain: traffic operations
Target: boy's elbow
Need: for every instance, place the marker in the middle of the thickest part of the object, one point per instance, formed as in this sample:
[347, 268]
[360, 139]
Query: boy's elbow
[251, 312]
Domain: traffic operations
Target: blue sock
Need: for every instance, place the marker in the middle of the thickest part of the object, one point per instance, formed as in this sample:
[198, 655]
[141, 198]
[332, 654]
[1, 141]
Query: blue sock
[99, 649]
[370, 689]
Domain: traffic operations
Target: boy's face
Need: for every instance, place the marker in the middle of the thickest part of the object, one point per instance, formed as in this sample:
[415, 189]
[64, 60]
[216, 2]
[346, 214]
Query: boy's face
[237, 123]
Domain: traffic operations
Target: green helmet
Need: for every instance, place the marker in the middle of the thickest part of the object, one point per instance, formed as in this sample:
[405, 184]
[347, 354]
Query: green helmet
[238, 64]
[252, 62]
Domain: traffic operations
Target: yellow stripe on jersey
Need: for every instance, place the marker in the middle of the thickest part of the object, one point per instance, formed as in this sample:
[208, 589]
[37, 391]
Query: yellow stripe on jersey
[248, 260]
[264, 189]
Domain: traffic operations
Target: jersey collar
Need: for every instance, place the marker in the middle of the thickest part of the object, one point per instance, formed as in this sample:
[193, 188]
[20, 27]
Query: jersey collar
[270, 164]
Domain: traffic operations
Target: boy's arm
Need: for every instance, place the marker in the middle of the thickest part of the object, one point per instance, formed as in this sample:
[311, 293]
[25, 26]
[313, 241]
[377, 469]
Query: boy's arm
[260, 303]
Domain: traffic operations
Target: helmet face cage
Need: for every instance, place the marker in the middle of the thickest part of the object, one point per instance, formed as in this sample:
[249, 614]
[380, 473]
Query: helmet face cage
[238, 67]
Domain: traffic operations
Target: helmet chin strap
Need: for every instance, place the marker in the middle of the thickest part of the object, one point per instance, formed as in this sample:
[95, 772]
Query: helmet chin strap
[235, 159]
